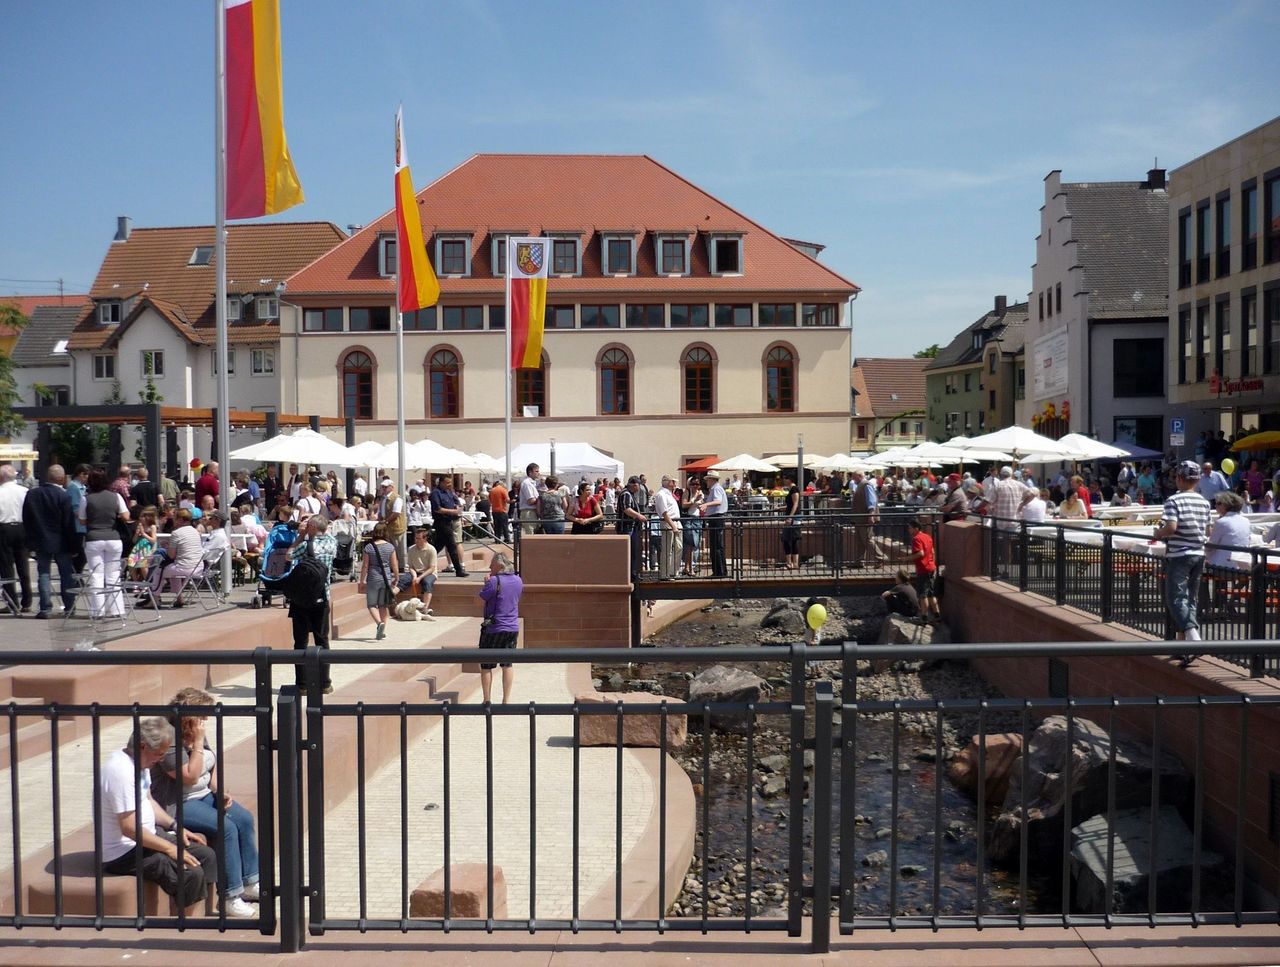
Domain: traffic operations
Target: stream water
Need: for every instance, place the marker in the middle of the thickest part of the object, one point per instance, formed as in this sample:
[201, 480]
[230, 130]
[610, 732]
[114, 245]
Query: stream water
[749, 815]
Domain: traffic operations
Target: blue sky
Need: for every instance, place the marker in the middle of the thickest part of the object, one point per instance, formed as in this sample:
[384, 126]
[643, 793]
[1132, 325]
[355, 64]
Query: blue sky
[910, 138]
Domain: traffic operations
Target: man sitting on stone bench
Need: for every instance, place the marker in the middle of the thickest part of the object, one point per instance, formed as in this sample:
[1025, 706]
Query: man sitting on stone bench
[120, 816]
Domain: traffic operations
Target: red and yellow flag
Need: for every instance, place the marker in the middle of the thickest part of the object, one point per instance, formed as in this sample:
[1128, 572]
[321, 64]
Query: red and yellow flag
[260, 175]
[527, 260]
[419, 286]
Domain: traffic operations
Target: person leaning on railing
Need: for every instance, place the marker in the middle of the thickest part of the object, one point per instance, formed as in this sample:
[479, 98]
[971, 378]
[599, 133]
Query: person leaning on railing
[129, 819]
[202, 784]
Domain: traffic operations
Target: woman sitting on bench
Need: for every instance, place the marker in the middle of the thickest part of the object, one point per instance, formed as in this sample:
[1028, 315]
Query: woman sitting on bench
[202, 784]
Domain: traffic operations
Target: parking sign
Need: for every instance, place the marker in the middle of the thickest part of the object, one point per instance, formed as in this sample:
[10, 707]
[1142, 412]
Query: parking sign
[1178, 425]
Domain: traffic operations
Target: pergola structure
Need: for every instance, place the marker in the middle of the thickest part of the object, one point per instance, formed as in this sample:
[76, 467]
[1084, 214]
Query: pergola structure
[156, 420]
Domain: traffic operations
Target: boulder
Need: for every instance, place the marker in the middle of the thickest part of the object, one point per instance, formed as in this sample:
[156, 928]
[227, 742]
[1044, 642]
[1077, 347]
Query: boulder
[469, 888]
[1090, 747]
[723, 684]
[876, 859]
[637, 730]
[787, 618]
[897, 630]
[1002, 751]
[1132, 867]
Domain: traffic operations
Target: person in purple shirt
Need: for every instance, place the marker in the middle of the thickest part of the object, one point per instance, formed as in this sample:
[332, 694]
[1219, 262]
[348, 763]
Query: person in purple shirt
[501, 625]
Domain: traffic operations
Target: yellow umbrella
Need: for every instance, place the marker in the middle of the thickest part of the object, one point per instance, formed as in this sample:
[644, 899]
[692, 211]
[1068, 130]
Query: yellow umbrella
[1266, 440]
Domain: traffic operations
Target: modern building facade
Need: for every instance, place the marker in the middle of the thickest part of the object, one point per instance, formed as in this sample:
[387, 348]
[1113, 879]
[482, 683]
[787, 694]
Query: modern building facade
[1098, 311]
[150, 325]
[1224, 272]
[974, 384]
[676, 327]
[888, 404]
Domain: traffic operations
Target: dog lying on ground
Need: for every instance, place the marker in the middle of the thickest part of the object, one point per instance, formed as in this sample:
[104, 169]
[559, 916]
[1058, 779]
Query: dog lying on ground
[412, 609]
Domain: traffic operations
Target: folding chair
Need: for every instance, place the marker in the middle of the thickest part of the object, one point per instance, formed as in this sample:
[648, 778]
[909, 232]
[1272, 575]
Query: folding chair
[9, 596]
[206, 579]
[84, 599]
[139, 592]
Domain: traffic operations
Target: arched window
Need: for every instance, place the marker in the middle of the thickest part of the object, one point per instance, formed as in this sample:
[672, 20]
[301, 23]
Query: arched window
[357, 385]
[444, 377]
[698, 367]
[531, 390]
[780, 380]
[614, 364]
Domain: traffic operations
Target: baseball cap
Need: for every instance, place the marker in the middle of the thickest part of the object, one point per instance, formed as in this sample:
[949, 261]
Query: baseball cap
[1189, 470]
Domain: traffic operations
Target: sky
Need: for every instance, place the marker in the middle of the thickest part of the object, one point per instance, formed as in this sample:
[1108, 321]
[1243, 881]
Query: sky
[911, 139]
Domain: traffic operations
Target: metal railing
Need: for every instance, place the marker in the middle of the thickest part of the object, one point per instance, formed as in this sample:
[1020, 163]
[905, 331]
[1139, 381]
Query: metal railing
[955, 883]
[1120, 580]
[834, 548]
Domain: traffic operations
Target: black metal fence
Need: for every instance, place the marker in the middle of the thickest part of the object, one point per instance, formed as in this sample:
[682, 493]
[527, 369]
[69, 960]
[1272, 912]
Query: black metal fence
[959, 882]
[1121, 579]
[827, 547]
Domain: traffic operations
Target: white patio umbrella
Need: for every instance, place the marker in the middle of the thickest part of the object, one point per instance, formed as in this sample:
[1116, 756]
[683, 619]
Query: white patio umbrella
[812, 461]
[1018, 442]
[946, 453]
[745, 462]
[1087, 448]
[487, 464]
[843, 462]
[362, 454]
[301, 446]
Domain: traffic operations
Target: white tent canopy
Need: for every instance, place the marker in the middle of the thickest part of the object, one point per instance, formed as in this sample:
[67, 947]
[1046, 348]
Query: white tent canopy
[301, 446]
[572, 459]
[1017, 441]
[744, 462]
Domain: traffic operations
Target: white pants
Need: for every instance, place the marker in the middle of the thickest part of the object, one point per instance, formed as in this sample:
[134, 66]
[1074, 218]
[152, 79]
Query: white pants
[103, 562]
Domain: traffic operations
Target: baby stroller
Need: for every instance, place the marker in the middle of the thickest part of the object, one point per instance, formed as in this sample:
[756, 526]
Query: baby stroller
[344, 560]
[275, 562]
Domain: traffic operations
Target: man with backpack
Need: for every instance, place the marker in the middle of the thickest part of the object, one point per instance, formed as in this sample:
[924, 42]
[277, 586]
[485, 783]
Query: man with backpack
[307, 590]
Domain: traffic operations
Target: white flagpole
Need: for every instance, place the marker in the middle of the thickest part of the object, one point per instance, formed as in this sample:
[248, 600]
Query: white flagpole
[223, 422]
[400, 365]
[507, 371]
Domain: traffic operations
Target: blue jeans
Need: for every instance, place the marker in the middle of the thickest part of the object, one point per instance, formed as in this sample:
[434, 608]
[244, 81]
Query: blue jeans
[238, 856]
[1182, 589]
[553, 527]
[44, 578]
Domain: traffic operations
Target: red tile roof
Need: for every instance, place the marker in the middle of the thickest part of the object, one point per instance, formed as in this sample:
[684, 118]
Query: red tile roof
[154, 262]
[26, 304]
[591, 194]
[893, 386]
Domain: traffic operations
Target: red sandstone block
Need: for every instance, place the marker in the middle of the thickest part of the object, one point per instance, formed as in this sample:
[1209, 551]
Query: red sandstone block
[637, 730]
[468, 891]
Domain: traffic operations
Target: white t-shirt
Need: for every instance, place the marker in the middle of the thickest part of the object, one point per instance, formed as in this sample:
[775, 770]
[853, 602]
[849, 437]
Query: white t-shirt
[529, 494]
[117, 798]
[306, 507]
[1033, 511]
[664, 502]
[361, 487]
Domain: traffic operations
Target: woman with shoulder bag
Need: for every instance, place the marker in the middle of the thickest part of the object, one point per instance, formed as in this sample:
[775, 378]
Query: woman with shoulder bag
[379, 572]
[106, 520]
[500, 627]
[588, 518]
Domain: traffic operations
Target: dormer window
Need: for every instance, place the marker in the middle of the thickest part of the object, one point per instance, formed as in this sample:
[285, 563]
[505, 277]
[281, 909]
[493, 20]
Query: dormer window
[453, 255]
[233, 308]
[566, 256]
[109, 313]
[387, 256]
[498, 255]
[672, 254]
[978, 340]
[268, 307]
[725, 253]
[201, 255]
[618, 254]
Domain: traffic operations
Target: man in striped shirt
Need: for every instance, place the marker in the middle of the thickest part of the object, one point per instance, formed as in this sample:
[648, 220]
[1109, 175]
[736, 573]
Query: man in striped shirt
[1184, 528]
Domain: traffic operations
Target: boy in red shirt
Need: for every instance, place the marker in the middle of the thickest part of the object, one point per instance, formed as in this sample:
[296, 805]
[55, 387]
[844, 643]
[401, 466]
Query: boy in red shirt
[926, 571]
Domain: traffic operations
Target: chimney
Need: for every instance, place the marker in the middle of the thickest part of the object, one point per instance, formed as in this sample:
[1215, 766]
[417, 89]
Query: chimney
[1002, 303]
[124, 224]
[352, 229]
[1155, 179]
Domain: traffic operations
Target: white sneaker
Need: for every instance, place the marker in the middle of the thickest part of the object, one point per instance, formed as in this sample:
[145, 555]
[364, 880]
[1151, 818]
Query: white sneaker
[251, 893]
[237, 907]
[1193, 634]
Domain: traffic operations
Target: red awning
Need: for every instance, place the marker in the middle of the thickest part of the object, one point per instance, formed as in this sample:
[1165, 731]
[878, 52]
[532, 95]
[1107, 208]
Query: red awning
[700, 465]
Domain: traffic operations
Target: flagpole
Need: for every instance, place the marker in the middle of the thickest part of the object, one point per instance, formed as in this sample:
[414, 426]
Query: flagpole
[506, 369]
[400, 351]
[222, 429]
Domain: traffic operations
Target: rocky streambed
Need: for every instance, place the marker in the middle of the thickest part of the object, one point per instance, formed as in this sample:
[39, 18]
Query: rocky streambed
[744, 792]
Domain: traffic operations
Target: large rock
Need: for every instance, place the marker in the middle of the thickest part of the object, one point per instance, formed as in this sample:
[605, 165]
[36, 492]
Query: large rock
[1046, 794]
[897, 630]
[785, 617]
[469, 888]
[1002, 751]
[1132, 866]
[637, 729]
[723, 684]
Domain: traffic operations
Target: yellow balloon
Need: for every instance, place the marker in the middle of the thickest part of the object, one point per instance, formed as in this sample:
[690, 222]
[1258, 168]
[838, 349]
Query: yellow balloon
[1228, 466]
[816, 616]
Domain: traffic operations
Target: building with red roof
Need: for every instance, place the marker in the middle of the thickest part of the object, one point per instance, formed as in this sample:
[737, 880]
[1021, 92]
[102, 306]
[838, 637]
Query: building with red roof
[676, 326]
